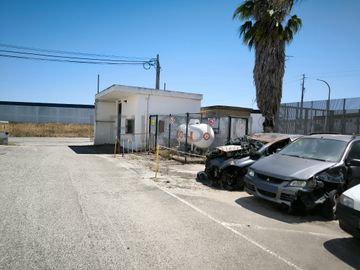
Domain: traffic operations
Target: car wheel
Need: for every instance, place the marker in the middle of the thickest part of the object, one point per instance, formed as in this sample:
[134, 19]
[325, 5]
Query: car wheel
[228, 180]
[329, 206]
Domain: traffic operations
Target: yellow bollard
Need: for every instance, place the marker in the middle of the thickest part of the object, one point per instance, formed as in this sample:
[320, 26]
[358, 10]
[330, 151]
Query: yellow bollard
[115, 145]
[157, 161]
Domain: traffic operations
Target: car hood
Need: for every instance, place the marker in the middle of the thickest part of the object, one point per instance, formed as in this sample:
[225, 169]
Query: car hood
[289, 168]
[238, 162]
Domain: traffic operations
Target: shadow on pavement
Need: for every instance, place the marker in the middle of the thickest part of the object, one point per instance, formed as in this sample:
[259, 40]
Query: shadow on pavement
[93, 149]
[275, 211]
[346, 249]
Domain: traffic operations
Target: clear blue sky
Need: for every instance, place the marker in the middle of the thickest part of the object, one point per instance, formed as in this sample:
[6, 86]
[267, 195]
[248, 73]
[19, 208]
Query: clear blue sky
[197, 41]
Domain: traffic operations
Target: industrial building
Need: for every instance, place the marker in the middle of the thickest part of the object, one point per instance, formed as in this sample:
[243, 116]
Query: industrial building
[122, 112]
[34, 112]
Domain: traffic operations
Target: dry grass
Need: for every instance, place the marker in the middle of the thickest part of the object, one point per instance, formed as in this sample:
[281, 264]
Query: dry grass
[49, 130]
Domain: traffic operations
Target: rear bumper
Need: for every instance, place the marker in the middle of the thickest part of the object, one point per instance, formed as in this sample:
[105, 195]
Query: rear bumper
[349, 219]
[279, 193]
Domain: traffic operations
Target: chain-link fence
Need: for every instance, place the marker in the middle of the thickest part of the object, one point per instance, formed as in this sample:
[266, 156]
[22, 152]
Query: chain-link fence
[322, 116]
[194, 132]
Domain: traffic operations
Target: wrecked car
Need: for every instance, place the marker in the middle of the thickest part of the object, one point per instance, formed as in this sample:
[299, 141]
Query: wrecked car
[227, 165]
[311, 172]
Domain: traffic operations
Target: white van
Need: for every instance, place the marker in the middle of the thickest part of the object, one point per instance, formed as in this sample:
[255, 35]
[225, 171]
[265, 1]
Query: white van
[348, 211]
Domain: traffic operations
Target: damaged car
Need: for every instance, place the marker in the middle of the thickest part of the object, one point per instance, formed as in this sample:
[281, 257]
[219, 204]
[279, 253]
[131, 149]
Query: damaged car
[227, 165]
[311, 172]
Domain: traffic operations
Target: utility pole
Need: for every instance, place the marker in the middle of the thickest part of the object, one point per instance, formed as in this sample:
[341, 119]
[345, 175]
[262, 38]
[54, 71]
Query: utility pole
[98, 83]
[157, 86]
[302, 94]
[302, 99]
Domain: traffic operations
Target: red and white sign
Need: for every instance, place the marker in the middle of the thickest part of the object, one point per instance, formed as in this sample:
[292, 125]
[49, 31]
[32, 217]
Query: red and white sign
[211, 121]
[206, 136]
[172, 120]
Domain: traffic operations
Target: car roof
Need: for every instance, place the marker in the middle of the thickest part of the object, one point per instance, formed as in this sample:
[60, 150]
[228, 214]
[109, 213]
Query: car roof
[339, 137]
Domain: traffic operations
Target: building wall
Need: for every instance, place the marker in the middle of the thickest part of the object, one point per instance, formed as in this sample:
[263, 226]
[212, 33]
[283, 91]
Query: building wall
[43, 113]
[256, 121]
[224, 112]
[138, 107]
[105, 122]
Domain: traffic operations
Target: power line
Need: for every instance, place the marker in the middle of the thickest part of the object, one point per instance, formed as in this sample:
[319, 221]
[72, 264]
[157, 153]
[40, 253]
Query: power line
[69, 52]
[75, 58]
[78, 61]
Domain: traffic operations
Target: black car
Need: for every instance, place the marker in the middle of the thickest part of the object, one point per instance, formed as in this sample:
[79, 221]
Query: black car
[312, 171]
[228, 164]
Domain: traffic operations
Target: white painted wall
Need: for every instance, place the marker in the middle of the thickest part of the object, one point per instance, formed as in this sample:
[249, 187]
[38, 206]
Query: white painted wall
[138, 107]
[256, 121]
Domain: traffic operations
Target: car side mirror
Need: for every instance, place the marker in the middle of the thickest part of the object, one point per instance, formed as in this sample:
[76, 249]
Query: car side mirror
[354, 162]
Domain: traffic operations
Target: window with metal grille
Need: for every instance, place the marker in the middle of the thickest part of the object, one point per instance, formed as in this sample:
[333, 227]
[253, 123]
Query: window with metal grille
[129, 126]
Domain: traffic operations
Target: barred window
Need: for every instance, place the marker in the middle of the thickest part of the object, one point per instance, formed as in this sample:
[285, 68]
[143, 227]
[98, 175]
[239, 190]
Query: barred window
[130, 126]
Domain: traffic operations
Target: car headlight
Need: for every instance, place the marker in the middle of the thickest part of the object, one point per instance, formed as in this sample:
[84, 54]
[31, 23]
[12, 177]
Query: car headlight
[251, 172]
[297, 183]
[346, 201]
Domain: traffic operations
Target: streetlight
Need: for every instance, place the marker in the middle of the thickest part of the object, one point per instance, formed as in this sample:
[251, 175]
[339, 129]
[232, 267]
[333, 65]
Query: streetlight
[327, 105]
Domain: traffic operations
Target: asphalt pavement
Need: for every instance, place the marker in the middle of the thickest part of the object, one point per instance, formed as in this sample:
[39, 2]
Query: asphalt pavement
[61, 208]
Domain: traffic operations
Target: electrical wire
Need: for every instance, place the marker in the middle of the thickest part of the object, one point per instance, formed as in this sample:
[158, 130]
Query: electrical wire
[74, 57]
[69, 52]
[78, 61]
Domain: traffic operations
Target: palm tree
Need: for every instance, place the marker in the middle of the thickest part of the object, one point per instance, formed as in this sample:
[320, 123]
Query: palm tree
[263, 30]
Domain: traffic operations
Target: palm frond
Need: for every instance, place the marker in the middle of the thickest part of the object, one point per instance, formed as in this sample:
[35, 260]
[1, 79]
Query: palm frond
[292, 27]
[244, 11]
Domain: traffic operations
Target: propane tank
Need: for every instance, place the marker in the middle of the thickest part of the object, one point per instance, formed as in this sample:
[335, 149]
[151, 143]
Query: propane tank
[199, 135]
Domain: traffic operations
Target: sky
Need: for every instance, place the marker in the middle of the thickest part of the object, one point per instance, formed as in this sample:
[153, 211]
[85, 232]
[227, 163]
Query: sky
[198, 43]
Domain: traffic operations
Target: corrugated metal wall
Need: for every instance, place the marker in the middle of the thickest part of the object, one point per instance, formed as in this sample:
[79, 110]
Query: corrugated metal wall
[46, 113]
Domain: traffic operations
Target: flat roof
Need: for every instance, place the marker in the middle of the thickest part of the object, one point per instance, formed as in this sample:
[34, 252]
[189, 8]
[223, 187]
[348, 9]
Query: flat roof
[224, 107]
[42, 104]
[117, 91]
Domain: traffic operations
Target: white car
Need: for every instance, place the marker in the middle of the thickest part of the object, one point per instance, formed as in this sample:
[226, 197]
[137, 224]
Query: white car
[348, 211]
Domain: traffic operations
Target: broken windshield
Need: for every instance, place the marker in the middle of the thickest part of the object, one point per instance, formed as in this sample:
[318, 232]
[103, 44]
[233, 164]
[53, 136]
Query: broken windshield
[316, 148]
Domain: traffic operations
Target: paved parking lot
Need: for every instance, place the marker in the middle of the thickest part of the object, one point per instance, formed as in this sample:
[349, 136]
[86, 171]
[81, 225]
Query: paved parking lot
[64, 208]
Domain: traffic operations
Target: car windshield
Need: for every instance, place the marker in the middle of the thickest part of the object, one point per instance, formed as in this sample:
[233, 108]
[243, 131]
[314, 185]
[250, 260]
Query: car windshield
[316, 148]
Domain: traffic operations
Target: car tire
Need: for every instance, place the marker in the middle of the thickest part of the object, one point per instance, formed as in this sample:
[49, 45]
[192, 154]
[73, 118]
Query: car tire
[329, 206]
[229, 180]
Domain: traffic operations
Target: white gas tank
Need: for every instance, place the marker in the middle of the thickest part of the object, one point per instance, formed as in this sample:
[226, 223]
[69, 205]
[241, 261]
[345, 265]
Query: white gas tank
[199, 135]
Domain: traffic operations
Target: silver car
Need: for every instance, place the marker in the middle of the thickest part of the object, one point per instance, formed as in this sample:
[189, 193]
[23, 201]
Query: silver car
[312, 171]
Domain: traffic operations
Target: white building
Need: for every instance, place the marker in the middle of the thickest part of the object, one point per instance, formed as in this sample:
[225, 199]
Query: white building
[123, 112]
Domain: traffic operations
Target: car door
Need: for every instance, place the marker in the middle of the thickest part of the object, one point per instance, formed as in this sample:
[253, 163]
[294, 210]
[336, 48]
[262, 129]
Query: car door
[353, 164]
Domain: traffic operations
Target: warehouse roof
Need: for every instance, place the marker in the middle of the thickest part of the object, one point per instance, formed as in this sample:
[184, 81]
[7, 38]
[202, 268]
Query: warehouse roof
[116, 91]
[41, 104]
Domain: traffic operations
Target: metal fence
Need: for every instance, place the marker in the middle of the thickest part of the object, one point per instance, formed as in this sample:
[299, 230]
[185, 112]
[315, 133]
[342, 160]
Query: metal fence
[337, 116]
[175, 131]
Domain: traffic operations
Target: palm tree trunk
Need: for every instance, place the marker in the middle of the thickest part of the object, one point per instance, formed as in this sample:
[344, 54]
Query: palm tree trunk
[268, 76]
